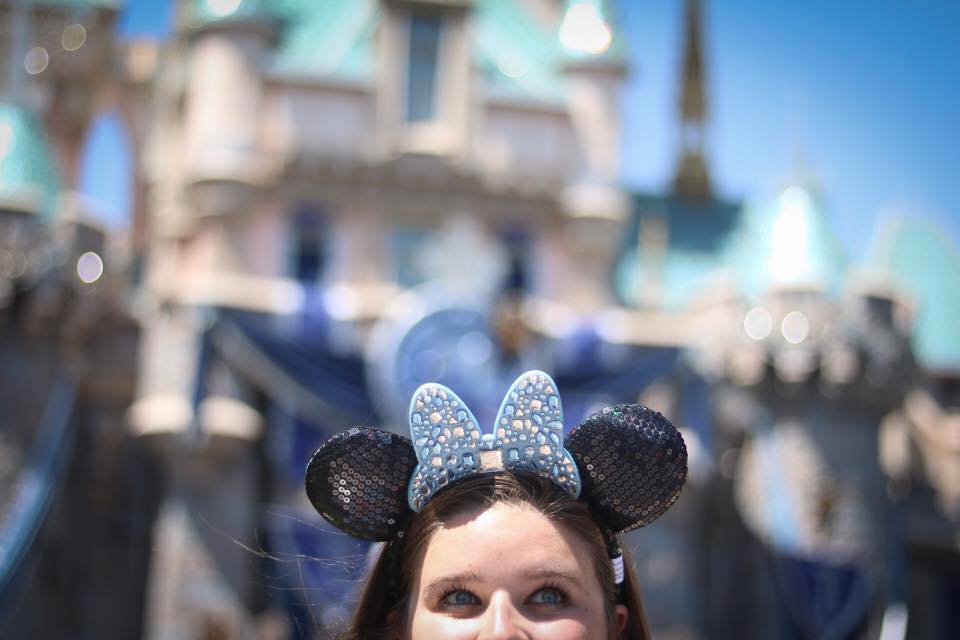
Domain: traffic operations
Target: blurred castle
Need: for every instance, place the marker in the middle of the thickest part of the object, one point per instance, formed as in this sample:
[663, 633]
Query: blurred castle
[337, 201]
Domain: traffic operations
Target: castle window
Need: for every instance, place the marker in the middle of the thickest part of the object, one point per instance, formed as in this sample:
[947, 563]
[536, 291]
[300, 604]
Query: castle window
[423, 88]
[407, 246]
[310, 245]
[426, 29]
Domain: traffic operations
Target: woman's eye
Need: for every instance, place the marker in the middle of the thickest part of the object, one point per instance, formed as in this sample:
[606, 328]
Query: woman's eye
[548, 596]
[460, 599]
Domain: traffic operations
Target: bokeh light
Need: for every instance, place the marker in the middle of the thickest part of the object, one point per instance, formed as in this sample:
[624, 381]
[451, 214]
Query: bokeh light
[795, 327]
[36, 60]
[73, 37]
[222, 8]
[89, 267]
[584, 29]
[758, 323]
[513, 64]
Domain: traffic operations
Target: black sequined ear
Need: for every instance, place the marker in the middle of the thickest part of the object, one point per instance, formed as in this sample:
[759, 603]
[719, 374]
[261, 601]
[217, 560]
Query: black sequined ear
[632, 464]
[357, 480]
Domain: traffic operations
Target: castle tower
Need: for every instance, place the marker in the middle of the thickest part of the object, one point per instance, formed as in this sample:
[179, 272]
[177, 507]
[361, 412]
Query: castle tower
[594, 203]
[692, 179]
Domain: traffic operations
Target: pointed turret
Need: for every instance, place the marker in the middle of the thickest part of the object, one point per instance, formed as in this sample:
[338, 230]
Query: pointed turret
[594, 201]
[692, 179]
[785, 244]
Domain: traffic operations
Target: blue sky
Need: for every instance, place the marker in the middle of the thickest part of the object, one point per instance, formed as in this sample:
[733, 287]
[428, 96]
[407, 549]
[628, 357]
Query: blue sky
[863, 96]
[860, 96]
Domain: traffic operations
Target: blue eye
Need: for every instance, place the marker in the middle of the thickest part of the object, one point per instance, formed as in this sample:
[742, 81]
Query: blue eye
[548, 596]
[460, 598]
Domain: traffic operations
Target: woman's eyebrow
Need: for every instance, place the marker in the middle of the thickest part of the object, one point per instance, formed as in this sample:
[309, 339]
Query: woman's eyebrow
[549, 573]
[452, 578]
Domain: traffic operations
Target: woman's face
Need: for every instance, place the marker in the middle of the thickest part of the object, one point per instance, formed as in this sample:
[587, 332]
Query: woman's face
[508, 572]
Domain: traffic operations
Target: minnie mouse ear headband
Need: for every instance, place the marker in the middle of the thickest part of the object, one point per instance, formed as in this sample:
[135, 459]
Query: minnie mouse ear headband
[627, 462]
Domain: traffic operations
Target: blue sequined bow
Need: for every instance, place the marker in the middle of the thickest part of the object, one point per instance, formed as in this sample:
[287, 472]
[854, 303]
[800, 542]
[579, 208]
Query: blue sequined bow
[527, 435]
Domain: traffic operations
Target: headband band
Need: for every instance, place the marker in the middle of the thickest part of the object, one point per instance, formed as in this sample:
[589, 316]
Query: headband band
[627, 462]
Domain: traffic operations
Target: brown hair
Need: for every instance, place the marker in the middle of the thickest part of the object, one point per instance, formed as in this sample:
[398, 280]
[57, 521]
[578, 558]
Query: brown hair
[384, 598]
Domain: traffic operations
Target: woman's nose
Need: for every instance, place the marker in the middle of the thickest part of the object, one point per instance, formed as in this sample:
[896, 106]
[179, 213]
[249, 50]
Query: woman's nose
[501, 620]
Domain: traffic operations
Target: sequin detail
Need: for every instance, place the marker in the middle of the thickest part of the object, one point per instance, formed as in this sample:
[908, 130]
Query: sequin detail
[633, 461]
[634, 464]
[357, 481]
[527, 436]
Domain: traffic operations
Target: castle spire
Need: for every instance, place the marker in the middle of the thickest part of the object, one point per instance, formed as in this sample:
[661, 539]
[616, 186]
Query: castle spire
[692, 179]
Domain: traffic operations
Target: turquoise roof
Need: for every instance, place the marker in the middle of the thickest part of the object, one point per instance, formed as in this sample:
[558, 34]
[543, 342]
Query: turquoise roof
[28, 174]
[207, 11]
[327, 38]
[920, 259]
[515, 54]
[696, 235]
[518, 56]
[785, 242]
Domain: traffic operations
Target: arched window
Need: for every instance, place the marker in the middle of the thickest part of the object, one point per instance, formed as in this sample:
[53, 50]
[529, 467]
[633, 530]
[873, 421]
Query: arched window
[106, 171]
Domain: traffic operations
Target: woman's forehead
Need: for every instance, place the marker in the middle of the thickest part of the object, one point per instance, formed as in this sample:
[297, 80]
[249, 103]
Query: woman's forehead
[504, 538]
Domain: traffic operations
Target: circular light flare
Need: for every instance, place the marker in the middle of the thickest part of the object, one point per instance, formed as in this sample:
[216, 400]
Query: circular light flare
[584, 29]
[728, 463]
[513, 64]
[73, 37]
[475, 348]
[36, 60]
[89, 267]
[758, 323]
[795, 327]
[13, 263]
[223, 8]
